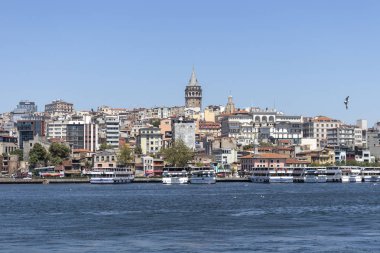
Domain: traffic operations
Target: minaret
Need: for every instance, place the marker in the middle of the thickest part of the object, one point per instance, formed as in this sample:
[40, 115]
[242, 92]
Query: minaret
[193, 93]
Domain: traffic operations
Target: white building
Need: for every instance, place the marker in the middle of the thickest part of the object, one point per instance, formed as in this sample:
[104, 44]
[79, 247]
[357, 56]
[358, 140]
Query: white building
[57, 129]
[225, 156]
[342, 136]
[112, 131]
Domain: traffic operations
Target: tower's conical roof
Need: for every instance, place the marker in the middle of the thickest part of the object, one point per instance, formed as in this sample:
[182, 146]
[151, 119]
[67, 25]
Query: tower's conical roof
[193, 79]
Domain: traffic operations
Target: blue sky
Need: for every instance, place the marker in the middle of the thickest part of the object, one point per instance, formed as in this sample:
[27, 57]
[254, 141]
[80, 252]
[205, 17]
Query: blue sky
[303, 56]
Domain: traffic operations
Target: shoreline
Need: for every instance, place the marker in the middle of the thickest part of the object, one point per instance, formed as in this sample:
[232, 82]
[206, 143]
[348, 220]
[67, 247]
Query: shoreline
[87, 181]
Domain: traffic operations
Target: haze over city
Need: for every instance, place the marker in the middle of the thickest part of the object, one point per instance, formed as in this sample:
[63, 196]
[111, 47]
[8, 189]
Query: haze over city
[302, 57]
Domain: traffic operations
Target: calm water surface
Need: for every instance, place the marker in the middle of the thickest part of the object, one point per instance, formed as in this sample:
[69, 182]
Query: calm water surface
[225, 217]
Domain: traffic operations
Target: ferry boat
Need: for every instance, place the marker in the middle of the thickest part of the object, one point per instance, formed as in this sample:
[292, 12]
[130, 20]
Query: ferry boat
[272, 175]
[350, 174]
[355, 176]
[175, 176]
[111, 175]
[333, 174]
[371, 174]
[299, 174]
[202, 176]
[315, 175]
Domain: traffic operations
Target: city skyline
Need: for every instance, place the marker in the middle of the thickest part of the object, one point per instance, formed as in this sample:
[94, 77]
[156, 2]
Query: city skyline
[304, 58]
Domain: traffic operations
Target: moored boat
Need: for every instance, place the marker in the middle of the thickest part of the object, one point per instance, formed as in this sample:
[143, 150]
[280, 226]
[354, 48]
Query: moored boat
[174, 175]
[111, 175]
[202, 176]
[272, 175]
[371, 174]
[333, 174]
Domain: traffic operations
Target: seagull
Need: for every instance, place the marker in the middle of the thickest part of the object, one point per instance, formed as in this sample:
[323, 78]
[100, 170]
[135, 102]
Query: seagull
[346, 102]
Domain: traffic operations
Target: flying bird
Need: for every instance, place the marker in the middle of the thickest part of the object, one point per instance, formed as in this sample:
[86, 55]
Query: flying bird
[346, 102]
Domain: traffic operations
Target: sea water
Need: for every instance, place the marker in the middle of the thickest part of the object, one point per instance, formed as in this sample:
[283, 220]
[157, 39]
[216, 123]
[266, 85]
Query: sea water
[225, 217]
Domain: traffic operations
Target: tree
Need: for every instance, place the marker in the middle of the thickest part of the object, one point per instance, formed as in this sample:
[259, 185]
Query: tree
[59, 150]
[178, 154]
[38, 156]
[58, 153]
[138, 150]
[125, 155]
[155, 122]
[265, 144]
[104, 146]
[19, 153]
[246, 147]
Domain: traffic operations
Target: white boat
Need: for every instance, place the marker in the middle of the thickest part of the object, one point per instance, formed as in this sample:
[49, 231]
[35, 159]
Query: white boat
[299, 174]
[355, 176]
[175, 176]
[333, 174]
[311, 176]
[272, 175]
[315, 175]
[202, 176]
[350, 174]
[371, 174]
[112, 175]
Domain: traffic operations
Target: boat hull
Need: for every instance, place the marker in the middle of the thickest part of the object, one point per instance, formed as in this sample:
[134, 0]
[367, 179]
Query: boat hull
[175, 180]
[202, 180]
[316, 179]
[355, 179]
[281, 179]
[371, 179]
[258, 179]
[110, 180]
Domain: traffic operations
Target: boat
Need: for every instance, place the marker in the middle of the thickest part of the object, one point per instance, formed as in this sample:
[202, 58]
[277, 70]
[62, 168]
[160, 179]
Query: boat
[350, 174]
[355, 176]
[311, 176]
[370, 174]
[315, 175]
[202, 176]
[272, 175]
[111, 175]
[174, 175]
[299, 175]
[260, 175]
[333, 174]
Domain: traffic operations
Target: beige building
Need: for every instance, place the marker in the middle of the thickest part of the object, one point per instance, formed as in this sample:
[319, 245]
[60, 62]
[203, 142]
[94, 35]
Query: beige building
[149, 140]
[8, 144]
[318, 127]
[59, 107]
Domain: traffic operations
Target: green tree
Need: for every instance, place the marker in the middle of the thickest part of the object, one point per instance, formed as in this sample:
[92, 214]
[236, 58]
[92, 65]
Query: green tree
[178, 154]
[19, 153]
[155, 122]
[246, 147]
[59, 150]
[104, 146]
[125, 155]
[138, 150]
[38, 156]
[265, 144]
